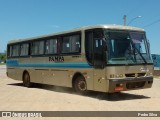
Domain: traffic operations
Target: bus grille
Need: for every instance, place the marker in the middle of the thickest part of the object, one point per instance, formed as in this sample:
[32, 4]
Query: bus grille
[133, 85]
[135, 74]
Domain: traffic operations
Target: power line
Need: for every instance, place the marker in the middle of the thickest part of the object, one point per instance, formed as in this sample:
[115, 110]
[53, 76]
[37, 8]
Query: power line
[151, 23]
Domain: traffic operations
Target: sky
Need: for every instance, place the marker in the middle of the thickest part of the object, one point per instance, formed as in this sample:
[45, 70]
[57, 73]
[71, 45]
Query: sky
[29, 18]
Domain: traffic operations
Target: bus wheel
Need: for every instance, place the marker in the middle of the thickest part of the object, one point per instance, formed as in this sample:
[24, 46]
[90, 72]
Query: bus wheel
[26, 80]
[80, 85]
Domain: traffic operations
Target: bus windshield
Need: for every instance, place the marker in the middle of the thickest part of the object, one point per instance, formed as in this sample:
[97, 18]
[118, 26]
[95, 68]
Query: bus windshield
[127, 47]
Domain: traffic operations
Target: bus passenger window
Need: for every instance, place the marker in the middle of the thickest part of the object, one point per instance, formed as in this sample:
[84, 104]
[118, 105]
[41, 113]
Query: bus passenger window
[24, 49]
[51, 46]
[15, 50]
[65, 45]
[37, 48]
[71, 44]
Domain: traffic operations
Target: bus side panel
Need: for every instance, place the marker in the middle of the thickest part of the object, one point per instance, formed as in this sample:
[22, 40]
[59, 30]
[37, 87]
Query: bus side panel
[56, 77]
[89, 79]
[62, 78]
[14, 73]
[35, 76]
[13, 69]
[100, 82]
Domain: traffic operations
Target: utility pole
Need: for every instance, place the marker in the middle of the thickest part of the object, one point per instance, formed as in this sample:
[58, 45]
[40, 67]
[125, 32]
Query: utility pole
[124, 18]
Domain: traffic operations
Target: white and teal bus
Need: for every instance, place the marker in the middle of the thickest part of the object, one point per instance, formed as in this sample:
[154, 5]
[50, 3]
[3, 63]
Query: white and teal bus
[105, 58]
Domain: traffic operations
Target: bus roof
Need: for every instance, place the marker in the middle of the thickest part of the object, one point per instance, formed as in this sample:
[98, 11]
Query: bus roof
[105, 26]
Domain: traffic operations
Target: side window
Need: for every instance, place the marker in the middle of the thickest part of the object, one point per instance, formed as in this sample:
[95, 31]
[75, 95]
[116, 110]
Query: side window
[71, 44]
[24, 49]
[89, 47]
[141, 46]
[51, 46]
[15, 50]
[138, 40]
[37, 48]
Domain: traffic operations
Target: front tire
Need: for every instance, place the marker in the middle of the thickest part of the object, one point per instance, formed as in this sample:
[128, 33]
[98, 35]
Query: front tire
[26, 80]
[80, 85]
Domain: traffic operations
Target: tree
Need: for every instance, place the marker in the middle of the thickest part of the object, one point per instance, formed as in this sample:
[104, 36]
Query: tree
[2, 56]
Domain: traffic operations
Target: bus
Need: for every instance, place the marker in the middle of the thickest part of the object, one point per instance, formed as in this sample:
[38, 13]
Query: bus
[104, 58]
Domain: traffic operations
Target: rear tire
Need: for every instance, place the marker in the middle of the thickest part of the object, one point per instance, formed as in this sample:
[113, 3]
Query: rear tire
[80, 85]
[26, 80]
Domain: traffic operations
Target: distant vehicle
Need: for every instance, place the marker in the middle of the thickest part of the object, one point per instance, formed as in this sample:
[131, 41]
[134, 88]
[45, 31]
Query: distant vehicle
[2, 61]
[105, 58]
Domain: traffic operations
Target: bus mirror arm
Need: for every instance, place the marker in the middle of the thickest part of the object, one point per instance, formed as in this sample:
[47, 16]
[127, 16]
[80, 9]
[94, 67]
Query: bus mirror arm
[105, 48]
[148, 44]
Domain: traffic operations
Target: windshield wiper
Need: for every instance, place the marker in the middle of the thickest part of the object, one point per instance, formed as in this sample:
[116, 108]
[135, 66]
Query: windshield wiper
[137, 37]
[140, 54]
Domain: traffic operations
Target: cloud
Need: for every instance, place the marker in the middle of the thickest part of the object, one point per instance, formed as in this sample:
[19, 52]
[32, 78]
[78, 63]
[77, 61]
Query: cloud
[55, 26]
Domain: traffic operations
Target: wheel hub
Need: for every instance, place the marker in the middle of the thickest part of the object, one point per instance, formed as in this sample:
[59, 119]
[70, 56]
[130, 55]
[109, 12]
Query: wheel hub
[82, 85]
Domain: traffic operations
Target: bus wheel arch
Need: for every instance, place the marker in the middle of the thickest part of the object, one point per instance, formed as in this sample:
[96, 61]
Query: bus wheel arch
[26, 79]
[79, 83]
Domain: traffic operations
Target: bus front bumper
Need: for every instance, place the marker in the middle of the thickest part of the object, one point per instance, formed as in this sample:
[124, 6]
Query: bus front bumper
[117, 85]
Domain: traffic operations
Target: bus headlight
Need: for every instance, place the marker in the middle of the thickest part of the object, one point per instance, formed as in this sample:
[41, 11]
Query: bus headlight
[149, 74]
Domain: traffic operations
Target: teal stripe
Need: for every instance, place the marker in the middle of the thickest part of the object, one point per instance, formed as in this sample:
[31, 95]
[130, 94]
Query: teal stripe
[14, 63]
